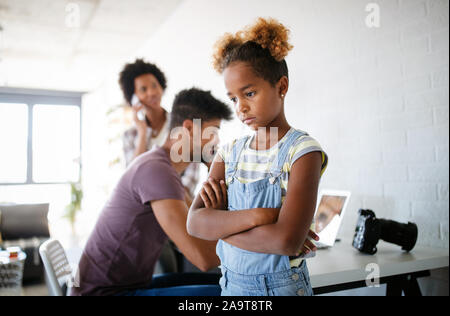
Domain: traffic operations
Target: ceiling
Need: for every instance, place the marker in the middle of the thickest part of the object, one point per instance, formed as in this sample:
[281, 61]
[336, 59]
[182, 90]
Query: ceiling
[71, 45]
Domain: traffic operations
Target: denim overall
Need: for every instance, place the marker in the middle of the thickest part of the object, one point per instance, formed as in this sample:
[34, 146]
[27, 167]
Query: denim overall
[246, 273]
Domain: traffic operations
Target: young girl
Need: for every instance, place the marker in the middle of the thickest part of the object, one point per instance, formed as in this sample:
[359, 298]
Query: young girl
[269, 189]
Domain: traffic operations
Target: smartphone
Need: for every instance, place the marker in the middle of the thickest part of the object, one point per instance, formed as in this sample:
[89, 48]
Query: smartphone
[135, 103]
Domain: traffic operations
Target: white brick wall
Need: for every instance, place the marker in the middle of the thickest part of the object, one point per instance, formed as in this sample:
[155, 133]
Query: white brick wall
[377, 99]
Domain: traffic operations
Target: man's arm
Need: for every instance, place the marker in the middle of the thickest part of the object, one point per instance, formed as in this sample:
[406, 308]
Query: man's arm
[172, 216]
[289, 233]
[210, 223]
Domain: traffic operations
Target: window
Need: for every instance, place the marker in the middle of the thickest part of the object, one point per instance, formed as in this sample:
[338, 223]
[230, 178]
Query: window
[40, 137]
[13, 142]
[56, 143]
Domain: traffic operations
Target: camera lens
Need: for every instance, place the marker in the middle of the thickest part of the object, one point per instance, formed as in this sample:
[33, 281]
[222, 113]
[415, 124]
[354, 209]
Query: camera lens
[404, 235]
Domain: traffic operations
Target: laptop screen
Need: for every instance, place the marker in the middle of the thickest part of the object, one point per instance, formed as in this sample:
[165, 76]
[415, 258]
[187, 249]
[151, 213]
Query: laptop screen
[329, 214]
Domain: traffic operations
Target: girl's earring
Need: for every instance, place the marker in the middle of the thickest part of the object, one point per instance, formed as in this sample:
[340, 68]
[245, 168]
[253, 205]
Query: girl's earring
[282, 96]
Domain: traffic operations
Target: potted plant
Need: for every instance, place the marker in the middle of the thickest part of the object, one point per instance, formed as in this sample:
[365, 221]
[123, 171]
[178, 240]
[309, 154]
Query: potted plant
[75, 204]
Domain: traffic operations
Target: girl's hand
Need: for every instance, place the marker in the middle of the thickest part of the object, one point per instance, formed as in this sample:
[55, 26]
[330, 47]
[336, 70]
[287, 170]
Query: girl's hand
[214, 194]
[309, 246]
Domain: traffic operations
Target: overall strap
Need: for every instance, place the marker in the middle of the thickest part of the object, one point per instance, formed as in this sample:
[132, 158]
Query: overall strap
[282, 155]
[235, 155]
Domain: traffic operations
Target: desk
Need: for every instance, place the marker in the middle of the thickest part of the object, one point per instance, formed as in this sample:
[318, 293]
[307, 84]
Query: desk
[342, 267]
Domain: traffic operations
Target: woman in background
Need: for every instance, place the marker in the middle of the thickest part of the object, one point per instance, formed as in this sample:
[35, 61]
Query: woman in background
[143, 85]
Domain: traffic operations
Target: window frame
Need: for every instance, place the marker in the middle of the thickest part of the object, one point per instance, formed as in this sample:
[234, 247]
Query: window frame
[31, 98]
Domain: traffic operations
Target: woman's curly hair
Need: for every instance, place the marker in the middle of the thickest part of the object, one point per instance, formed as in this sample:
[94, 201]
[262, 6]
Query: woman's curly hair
[134, 70]
[264, 45]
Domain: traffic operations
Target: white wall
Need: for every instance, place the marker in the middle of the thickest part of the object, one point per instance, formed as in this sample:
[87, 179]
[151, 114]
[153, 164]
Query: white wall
[375, 98]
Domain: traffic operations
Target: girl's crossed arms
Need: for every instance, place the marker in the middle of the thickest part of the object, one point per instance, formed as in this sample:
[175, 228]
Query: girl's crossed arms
[265, 230]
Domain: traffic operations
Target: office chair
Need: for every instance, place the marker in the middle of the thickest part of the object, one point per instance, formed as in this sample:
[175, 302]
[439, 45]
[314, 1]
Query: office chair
[57, 269]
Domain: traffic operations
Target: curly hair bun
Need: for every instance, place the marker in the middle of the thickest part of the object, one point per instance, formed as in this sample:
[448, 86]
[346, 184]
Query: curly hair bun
[223, 46]
[270, 34]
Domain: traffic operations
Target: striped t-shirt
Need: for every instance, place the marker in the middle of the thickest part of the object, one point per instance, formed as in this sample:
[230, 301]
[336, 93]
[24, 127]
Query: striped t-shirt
[255, 165]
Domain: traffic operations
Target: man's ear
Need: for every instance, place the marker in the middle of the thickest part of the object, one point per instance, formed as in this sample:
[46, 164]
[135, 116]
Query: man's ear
[188, 125]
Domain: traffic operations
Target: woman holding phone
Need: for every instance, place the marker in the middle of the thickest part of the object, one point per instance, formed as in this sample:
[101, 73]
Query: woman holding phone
[143, 85]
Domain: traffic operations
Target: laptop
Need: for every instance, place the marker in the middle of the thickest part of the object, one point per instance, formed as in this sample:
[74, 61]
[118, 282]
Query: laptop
[330, 211]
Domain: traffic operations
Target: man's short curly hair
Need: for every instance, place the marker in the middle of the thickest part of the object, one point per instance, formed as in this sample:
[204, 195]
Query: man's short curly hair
[197, 104]
[134, 70]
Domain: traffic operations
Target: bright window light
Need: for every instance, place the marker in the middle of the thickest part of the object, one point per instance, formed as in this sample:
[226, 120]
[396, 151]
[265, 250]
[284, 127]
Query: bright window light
[56, 143]
[13, 142]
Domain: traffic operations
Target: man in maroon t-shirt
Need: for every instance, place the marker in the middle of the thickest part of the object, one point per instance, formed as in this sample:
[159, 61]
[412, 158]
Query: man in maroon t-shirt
[148, 206]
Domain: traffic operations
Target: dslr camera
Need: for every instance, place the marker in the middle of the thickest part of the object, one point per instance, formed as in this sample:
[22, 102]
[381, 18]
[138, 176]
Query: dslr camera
[369, 230]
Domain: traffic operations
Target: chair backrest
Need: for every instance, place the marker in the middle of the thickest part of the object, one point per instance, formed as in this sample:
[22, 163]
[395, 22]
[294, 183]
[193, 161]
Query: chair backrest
[57, 267]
